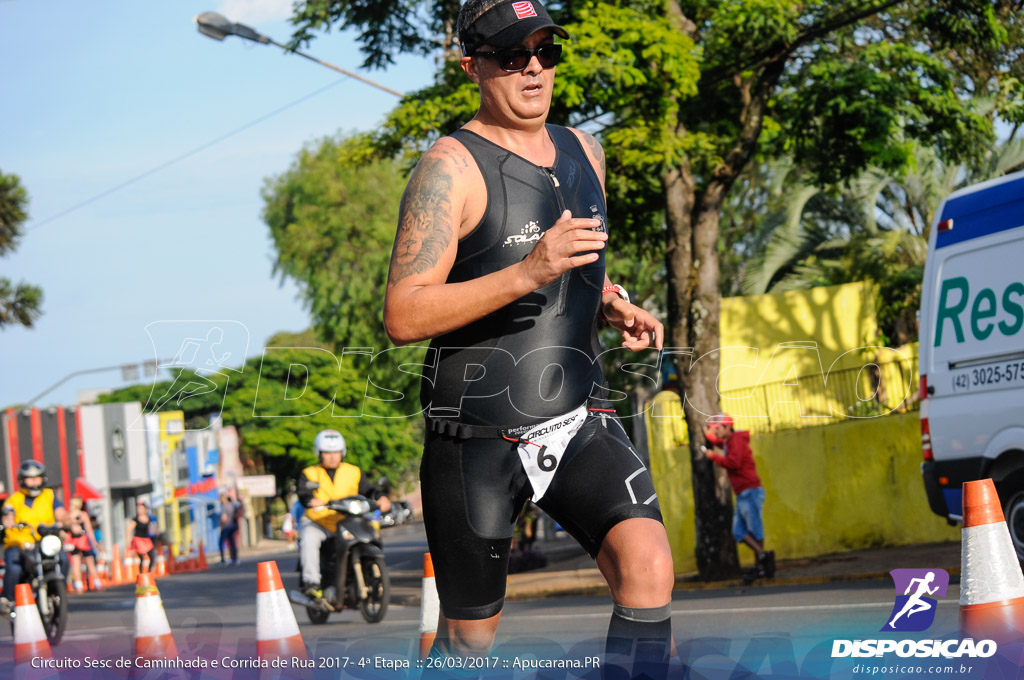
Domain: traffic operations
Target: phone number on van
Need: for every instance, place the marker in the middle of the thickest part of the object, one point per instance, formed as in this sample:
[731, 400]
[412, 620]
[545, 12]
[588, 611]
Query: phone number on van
[986, 376]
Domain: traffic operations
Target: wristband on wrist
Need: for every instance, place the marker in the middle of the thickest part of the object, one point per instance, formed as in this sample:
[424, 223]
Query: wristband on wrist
[618, 290]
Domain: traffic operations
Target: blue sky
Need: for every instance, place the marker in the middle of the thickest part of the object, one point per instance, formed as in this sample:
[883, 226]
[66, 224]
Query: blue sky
[93, 94]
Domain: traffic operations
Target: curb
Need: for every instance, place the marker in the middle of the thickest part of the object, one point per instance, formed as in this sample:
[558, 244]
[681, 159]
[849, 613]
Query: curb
[682, 584]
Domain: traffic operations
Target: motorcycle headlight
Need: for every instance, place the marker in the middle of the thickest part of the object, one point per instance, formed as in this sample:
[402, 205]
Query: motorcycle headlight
[357, 507]
[50, 545]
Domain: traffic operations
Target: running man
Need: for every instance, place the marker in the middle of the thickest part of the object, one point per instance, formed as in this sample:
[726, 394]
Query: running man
[499, 258]
[915, 604]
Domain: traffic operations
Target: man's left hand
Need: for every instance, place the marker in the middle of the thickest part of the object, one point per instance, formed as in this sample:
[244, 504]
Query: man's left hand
[639, 328]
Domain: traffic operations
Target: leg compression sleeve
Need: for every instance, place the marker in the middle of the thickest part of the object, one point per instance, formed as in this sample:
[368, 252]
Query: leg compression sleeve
[437, 669]
[638, 642]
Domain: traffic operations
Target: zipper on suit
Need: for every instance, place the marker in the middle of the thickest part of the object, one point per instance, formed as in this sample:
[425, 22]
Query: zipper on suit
[563, 284]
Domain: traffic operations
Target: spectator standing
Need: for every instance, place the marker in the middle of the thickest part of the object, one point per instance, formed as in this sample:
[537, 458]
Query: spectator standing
[230, 510]
[738, 461]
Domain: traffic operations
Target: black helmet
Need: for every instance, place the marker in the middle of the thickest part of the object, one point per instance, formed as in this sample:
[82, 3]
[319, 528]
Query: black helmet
[32, 468]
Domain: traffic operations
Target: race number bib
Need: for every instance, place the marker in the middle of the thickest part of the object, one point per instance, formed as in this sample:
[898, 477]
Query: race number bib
[542, 446]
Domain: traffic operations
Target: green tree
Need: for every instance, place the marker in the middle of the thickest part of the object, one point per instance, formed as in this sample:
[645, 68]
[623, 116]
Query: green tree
[873, 228]
[281, 400]
[332, 220]
[19, 302]
[685, 95]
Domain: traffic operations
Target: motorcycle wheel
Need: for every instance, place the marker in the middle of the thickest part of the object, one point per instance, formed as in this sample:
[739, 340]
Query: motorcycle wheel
[57, 593]
[378, 583]
[317, 616]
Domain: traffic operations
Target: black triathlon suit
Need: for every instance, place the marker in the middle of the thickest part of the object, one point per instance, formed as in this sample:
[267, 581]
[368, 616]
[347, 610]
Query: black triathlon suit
[530, 361]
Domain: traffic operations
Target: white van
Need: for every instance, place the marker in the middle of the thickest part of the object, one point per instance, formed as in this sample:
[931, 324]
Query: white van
[972, 349]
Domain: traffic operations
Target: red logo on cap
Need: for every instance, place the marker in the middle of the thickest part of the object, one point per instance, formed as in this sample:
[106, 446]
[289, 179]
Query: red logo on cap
[524, 9]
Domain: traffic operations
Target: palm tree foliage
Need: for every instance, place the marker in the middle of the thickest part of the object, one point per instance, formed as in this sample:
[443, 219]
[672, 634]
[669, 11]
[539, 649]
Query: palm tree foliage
[874, 228]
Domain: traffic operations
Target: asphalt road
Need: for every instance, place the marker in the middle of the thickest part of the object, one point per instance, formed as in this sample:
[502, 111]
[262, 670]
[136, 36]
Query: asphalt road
[779, 631]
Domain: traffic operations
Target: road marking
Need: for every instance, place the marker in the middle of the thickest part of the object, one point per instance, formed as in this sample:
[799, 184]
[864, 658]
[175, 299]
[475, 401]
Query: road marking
[740, 610]
[95, 633]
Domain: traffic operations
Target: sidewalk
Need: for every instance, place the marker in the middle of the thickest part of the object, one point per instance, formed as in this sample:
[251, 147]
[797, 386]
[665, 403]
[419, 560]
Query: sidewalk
[578, 576]
[571, 572]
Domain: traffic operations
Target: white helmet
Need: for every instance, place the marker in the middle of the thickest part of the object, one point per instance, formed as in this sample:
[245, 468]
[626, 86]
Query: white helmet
[329, 441]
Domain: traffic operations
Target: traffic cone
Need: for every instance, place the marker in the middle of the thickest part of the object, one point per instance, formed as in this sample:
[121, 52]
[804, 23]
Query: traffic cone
[116, 572]
[991, 583]
[202, 558]
[430, 608]
[130, 572]
[169, 559]
[160, 568]
[29, 635]
[193, 558]
[102, 571]
[277, 633]
[153, 638]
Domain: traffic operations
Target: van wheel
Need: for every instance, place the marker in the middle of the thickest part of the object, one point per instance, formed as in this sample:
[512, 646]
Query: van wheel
[1014, 511]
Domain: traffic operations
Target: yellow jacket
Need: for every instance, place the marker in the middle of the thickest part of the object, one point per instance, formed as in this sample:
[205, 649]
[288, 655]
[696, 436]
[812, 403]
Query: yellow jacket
[345, 483]
[40, 512]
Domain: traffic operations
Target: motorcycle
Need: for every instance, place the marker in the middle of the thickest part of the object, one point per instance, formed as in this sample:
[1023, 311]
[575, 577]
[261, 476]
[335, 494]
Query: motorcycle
[352, 566]
[42, 569]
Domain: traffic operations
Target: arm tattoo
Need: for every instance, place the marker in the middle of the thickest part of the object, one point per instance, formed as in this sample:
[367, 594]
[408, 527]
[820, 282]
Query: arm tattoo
[596, 151]
[424, 221]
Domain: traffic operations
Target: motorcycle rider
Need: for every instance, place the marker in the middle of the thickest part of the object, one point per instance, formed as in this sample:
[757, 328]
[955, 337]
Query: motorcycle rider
[331, 479]
[33, 505]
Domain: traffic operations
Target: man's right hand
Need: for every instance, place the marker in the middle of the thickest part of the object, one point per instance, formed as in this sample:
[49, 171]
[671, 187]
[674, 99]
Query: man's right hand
[563, 247]
[8, 520]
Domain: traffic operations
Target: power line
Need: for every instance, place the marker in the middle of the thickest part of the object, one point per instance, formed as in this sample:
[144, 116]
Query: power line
[182, 157]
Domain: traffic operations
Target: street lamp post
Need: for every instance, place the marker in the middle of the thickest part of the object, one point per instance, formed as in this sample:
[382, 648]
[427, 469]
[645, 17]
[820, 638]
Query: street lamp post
[216, 26]
[128, 372]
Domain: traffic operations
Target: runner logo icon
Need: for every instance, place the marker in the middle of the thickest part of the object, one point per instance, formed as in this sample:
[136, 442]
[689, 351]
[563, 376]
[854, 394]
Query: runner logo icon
[914, 609]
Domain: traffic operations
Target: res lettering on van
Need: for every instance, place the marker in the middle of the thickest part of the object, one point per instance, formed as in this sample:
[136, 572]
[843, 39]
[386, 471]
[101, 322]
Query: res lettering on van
[983, 309]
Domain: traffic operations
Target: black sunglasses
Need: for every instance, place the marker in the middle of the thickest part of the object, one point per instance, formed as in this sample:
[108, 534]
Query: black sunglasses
[516, 59]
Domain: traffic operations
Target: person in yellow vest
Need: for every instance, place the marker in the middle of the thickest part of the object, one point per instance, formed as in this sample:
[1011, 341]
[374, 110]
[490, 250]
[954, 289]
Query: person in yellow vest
[33, 505]
[330, 480]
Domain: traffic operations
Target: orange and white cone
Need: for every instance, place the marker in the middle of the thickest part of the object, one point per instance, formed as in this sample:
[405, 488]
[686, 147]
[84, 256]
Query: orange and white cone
[116, 572]
[160, 568]
[430, 608]
[153, 639]
[202, 558]
[991, 583]
[102, 572]
[131, 567]
[29, 635]
[277, 632]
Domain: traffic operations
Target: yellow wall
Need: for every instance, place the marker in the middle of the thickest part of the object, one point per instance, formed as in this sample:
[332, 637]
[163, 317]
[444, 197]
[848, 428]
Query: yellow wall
[755, 331]
[670, 467]
[833, 488]
[796, 338]
[855, 484]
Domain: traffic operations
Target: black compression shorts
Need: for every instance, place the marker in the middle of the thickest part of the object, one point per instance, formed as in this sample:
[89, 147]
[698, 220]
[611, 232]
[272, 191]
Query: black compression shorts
[474, 489]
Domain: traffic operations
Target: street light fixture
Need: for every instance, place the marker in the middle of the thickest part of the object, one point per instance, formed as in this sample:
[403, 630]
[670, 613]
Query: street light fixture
[216, 26]
[129, 372]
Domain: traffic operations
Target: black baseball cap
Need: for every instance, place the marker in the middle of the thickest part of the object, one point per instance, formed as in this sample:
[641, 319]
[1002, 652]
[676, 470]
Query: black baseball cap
[507, 24]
